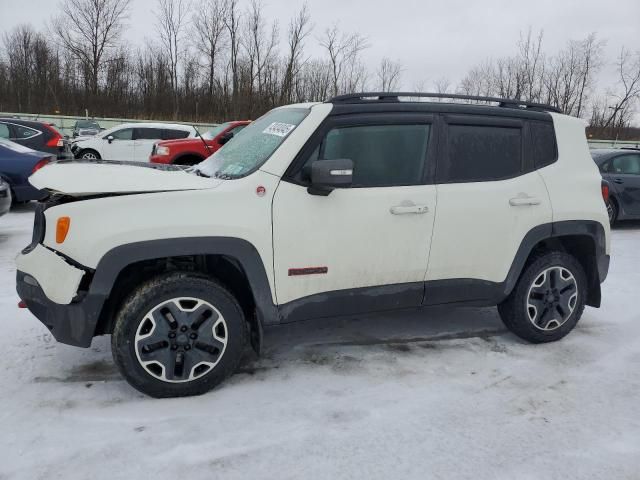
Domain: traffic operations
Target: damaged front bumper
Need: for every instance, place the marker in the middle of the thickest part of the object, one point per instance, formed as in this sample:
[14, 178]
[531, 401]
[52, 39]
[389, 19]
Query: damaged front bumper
[49, 287]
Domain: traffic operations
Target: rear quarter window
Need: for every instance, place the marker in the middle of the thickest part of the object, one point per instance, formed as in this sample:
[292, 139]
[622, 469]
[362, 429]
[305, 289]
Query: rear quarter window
[24, 133]
[543, 144]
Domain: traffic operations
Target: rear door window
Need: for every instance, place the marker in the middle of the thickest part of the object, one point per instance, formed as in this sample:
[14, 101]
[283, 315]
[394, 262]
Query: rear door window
[477, 153]
[169, 134]
[147, 134]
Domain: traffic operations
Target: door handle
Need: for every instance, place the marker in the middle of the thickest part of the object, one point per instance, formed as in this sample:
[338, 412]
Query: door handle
[618, 181]
[524, 200]
[407, 209]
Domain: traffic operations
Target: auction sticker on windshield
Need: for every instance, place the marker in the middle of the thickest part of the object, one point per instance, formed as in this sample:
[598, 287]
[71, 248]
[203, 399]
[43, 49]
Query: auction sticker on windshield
[279, 129]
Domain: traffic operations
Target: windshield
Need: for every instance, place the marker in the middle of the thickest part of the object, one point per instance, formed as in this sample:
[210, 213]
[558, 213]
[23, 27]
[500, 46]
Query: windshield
[87, 124]
[253, 145]
[215, 131]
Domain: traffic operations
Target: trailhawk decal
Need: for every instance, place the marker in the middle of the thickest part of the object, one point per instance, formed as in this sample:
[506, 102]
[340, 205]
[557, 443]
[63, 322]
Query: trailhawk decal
[293, 272]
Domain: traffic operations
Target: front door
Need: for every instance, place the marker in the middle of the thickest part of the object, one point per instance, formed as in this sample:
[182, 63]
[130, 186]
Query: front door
[121, 147]
[362, 248]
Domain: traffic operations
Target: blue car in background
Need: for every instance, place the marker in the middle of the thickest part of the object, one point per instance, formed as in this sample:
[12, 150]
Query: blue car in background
[17, 163]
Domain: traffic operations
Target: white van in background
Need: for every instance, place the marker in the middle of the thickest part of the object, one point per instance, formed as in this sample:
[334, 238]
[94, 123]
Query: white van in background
[129, 141]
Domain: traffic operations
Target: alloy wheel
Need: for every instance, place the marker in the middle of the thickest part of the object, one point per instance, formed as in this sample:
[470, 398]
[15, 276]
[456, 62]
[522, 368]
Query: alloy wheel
[552, 298]
[181, 339]
[89, 156]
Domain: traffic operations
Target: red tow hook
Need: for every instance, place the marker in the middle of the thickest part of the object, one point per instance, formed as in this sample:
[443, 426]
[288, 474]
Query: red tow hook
[22, 304]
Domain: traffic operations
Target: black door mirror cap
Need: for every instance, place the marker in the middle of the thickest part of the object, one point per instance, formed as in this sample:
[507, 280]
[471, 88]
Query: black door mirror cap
[326, 175]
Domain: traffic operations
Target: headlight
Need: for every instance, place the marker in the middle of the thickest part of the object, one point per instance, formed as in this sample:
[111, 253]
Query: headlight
[162, 150]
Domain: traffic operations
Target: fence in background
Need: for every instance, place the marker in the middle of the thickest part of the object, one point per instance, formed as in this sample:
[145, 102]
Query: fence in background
[65, 123]
[613, 144]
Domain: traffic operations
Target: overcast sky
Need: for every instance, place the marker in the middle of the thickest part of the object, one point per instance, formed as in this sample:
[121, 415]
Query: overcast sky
[431, 38]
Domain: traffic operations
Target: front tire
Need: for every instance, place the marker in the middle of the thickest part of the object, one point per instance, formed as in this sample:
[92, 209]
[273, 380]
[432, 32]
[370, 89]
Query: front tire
[548, 299]
[177, 335]
[89, 154]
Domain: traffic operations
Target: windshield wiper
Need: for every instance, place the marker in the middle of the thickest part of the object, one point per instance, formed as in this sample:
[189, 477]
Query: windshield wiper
[198, 172]
[223, 176]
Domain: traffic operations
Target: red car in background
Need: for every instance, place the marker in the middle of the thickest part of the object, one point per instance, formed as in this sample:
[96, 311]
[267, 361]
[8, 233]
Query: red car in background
[190, 151]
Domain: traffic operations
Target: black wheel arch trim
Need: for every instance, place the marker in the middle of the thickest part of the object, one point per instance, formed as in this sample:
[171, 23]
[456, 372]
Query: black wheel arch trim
[115, 260]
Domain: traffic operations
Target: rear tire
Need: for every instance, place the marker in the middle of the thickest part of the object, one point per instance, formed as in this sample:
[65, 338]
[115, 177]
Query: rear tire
[177, 335]
[612, 211]
[548, 299]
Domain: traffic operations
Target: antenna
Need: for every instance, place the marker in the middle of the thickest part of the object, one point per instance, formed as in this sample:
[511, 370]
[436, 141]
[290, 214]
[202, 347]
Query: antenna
[206, 145]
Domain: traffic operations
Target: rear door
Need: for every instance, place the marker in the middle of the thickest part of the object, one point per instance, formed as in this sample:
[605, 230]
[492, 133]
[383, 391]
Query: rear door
[365, 247]
[624, 172]
[489, 198]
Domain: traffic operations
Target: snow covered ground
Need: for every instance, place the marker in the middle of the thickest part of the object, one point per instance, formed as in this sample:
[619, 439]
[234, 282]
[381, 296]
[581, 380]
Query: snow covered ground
[432, 394]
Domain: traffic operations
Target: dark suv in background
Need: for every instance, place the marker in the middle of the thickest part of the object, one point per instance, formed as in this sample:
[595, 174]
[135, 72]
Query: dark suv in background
[86, 128]
[621, 169]
[39, 136]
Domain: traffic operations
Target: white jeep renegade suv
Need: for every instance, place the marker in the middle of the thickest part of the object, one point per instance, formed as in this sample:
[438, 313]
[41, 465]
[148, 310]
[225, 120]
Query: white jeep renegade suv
[366, 202]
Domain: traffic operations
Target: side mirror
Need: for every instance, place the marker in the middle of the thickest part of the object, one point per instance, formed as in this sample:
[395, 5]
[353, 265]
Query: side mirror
[110, 138]
[327, 175]
[225, 138]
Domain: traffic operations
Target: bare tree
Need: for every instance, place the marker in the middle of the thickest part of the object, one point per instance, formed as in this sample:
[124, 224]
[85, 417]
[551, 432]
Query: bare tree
[344, 51]
[389, 73]
[299, 29]
[210, 30]
[171, 18]
[442, 85]
[591, 63]
[532, 64]
[232, 24]
[615, 111]
[260, 47]
[88, 30]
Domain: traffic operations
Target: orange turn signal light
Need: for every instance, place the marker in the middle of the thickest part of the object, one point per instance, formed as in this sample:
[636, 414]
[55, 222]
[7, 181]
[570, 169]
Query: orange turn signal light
[62, 228]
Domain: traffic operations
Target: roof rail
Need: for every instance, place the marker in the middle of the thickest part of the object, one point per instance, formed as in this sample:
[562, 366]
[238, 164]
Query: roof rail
[391, 97]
